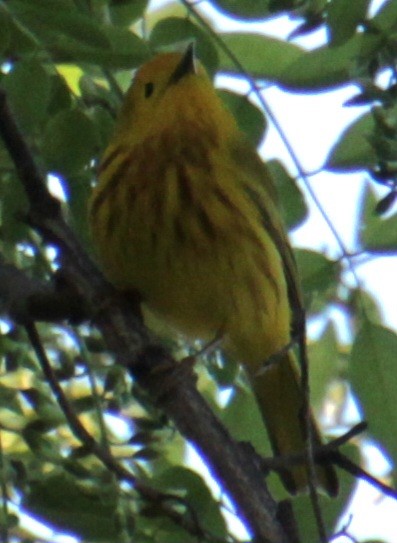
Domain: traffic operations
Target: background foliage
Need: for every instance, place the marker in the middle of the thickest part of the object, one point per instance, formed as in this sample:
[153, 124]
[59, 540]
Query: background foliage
[64, 65]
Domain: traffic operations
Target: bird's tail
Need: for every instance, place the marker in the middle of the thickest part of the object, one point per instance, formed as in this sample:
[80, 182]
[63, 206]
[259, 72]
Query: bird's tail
[280, 400]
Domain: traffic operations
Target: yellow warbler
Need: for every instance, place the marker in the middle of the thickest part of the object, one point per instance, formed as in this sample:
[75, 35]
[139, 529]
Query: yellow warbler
[185, 213]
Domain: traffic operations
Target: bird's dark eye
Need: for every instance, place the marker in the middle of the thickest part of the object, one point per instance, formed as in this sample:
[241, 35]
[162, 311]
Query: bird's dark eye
[149, 88]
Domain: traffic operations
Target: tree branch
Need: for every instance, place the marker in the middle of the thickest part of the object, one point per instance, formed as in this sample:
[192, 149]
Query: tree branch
[154, 369]
[25, 298]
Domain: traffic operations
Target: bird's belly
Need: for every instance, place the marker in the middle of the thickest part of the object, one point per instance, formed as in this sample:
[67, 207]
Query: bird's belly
[206, 269]
[223, 289]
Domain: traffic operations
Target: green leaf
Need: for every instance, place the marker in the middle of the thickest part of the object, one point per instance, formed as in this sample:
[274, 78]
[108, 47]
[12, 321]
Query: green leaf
[377, 235]
[72, 36]
[43, 447]
[249, 118]
[60, 95]
[79, 191]
[331, 509]
[5, 25]
[248, 9]
[319, 277]
[69, 142]
[361, 302]
[343, 17]
[13, 206]
[197, 494]
[173, 31]
[21, 42]
[49, 19]
[322, 68]
[104, 123]
[125, 12]
[262, 56]
[125, 50]
[353, 150]
[152, 526]
[386, 17]
[71, 507]
[9, 401]
[28, 88]
[292, 201]
[323, 360]
[242, 418]
[373, 376]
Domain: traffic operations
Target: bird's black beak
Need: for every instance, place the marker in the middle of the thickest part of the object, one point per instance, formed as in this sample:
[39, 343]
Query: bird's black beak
[186, 66]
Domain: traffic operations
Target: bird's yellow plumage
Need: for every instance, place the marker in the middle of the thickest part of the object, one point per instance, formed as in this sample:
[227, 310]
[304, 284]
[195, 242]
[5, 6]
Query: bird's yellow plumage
[186, 214]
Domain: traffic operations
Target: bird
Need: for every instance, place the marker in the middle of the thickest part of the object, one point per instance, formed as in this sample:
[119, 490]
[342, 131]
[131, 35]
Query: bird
[186, 214]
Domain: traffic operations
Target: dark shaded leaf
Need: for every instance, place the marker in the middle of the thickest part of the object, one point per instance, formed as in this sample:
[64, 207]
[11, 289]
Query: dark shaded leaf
[125, 12]
[323, 357]
[353, 150]
[49, 19]
[69, 142]
[249, 118]
[343, 17]
[242, 417]
[197, 495]
[377, 235]
[5, 34]
[247, 9]
[373, 375]
[76, 509]
[28, 88]
[319, 277]
[292, 201]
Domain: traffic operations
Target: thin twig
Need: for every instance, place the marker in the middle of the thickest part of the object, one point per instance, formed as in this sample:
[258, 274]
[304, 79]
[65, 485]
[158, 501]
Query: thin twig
[329, 454]
[312, 475]
[103, 454]
[345, 463]
[322, 454]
